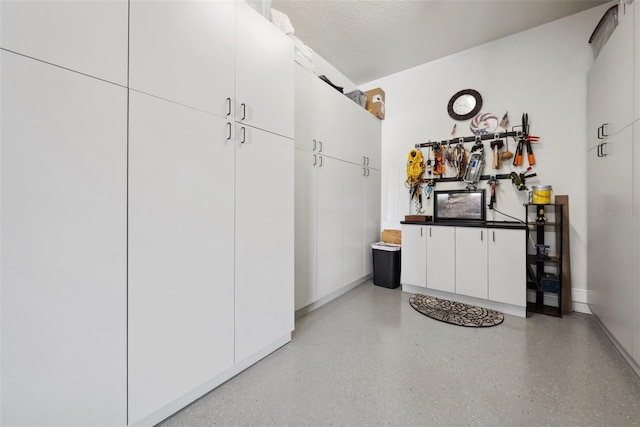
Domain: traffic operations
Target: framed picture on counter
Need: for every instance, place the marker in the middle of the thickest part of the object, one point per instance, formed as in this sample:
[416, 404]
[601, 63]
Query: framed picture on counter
[459, 205]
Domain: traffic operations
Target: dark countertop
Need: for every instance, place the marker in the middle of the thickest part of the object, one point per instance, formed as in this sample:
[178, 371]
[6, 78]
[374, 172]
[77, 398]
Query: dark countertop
[483, 224]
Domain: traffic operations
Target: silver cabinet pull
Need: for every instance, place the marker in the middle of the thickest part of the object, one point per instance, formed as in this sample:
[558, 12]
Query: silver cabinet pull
[320, 161]
[494, 236]
[482, 235]
[367, 171]
[367, 161]
[429, 231]
[244, 111]
[314, 145]
[244, 135]
[364, 160]
[228, 131]
[420, 231]
[600, 151]
[228, 106]
[364, 171]
[315, 160]
[320, 145]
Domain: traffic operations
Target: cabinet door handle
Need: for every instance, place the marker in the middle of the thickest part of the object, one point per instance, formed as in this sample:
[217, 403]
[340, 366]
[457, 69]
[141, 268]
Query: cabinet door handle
[315, 160]
[320, 161]
[482, 235]
[314, 145]
[320, 145]
[420, 231]
[600, 132]
[367, 161]
[602, 152]
[243, 138]
[429, 231]
[494, 236]
[604, 128]
[244, 111]
[367, 171]
[364, 160]
[228, 131]
[364, 171]
[228, 106]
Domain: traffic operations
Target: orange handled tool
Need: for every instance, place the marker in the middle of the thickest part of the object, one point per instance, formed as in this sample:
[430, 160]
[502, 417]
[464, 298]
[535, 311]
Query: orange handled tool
[517, 159]
[530, 156]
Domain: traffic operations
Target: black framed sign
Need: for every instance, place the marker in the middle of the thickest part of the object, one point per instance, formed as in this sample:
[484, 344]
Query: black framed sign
[459, 205]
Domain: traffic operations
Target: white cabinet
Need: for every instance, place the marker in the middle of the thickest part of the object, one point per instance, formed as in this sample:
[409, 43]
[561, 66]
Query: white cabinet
[305, 228]
[371, 216]
[181, 258]
[89, 37]
[353, 214]
[471, 262]
[610, 82]
[507, 268]
[264, 73]
[264, 242]
[610, 244]
[441, 258]
[337, 214]
[184, 51]
[64, 260]
[636, 68]
[371, 137]
[330, 225]
[413, 259]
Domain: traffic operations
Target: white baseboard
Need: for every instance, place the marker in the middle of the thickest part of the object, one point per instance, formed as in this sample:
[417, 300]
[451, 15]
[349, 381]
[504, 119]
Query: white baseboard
[578, 297]
[324, 300]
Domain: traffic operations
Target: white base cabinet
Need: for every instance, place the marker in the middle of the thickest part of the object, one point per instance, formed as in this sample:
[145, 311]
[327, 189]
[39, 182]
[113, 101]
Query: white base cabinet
[486, 264]
[63, 247]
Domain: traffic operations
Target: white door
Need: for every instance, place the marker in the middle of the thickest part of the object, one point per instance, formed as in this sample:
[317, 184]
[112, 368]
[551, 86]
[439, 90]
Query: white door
[614, 217]
[610, 86]
[181, 243]
[89, 37]
[371, 217]
[471, 262]
[507, 266]
[305, 228]
[330, 225]
[441, 258]
[184, 51]
[353, 236]
[332, 119]
[264, 241]
[64, 240]
[264, 73]
[306, 109]
[413, 259]
[372, 137]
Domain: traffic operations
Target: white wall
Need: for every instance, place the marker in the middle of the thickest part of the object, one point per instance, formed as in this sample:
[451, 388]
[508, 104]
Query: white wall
[542, 72]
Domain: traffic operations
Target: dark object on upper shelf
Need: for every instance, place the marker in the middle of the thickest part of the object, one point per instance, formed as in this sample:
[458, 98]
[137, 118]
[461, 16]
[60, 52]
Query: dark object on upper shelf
[338, 88]
[603, 30]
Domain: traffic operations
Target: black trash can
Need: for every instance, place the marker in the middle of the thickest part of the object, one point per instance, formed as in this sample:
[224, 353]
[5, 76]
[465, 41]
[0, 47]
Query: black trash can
[386, 264]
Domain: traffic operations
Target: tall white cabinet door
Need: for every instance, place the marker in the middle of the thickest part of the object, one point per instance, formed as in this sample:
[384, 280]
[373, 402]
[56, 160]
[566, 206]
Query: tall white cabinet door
[353, 236]
[613, 219]
[334, 125]
[63, 246]
[371, 135]
[264, 251]
[85, 36]
[329, 226]
[609, 85]
[264, 73]
[636, 230]
[507, 266]
[306, 114]
[413, 270]
[471, 262]
[181, 174]
[371, 217]
[441, 258]
[305, 228]
[636, 76]
[184, 51]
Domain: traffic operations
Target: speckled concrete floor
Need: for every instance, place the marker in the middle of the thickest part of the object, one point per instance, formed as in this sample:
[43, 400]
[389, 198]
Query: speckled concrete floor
[368, 358]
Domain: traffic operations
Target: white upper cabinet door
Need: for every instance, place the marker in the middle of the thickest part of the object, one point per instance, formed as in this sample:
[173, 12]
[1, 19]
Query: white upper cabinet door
[507, 266]
[636, 74]
[64, 242]
[89, 37]
[264, 73]
[372, 137]
[333, 120]
[181, 217]
[184, 51]
[264, 240]
[306, 114]
[610, 86]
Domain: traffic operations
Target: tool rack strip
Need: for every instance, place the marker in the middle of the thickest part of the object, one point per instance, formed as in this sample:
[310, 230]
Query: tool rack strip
[475, 138]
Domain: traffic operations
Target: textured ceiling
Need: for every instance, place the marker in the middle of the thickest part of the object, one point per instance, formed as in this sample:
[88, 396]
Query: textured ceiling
[369, 39]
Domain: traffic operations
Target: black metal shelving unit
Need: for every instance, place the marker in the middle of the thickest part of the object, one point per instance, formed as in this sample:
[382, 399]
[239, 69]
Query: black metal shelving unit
[544, 261]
